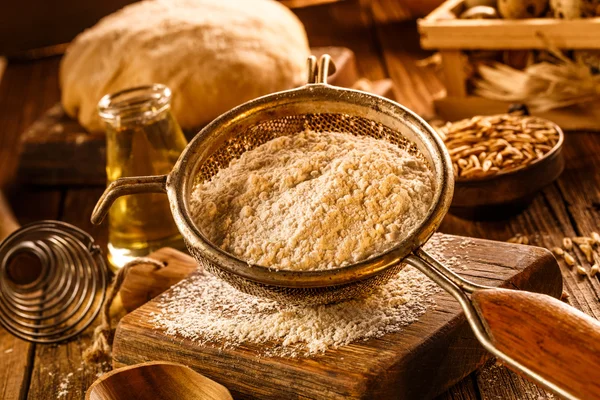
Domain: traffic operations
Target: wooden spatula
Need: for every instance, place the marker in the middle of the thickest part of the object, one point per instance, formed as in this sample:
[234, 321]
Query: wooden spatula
[156, 380]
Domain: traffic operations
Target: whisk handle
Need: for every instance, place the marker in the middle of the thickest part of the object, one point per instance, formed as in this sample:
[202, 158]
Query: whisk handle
[556, 341]
[8, 222]
[124, 187]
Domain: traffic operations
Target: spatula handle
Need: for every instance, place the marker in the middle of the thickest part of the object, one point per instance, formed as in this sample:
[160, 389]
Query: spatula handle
[8, 222]
[551, 338]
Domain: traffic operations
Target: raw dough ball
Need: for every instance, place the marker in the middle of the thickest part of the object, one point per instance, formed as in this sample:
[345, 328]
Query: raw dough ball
[214, 55]
[574, 9]
[517, 9]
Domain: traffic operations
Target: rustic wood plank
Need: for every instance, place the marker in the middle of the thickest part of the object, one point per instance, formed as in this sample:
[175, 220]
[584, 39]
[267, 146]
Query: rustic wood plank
[58, 370]
[16, 360]
[498, 382]
[464, 390]
[26, 90]
[579, 189]
[386, 11]
[345, 24]
[415, 87]
[427, 356]
[453, 67]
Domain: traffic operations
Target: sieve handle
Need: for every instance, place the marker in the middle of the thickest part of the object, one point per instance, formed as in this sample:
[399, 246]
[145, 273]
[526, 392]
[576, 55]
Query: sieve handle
[536, 335]
[124, 187]
[318, 71]
[554, 340]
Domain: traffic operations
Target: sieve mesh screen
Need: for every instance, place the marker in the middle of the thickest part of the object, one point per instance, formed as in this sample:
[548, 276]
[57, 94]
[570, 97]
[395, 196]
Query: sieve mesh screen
[239, 142]
[267, 130]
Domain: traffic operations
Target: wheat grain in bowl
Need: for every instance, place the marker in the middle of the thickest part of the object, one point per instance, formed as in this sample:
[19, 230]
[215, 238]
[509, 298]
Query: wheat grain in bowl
[314, 201]
[485, 146]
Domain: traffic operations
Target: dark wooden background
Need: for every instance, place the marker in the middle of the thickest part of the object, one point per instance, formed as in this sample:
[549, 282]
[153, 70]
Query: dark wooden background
[386, 46]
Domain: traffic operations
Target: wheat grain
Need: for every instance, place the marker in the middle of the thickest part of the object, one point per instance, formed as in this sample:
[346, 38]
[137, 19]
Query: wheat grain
[587, 250]
[569, 260]
[487, 145]
[582, 240]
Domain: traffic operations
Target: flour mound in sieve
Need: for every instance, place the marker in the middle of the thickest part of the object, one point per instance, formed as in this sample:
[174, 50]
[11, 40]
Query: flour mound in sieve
[207, 310]
[314, 200]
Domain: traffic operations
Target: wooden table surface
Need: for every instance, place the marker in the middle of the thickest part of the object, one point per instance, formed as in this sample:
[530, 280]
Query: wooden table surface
[385, 47]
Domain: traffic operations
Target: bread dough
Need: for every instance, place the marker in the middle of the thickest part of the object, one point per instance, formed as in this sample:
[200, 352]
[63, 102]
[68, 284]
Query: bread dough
[214, 55]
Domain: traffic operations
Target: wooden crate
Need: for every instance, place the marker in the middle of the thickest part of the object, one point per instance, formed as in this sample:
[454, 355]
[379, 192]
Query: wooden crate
[453, 36]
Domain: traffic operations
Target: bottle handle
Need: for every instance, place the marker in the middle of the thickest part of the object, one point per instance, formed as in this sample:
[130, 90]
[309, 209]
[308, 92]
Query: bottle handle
[124, 187]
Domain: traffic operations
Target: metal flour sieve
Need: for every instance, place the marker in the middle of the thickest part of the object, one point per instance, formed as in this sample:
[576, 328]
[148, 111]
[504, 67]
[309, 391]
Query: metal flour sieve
[534, 334]
[318, 107]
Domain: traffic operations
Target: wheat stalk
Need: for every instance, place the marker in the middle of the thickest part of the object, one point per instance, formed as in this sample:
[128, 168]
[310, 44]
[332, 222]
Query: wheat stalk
[542, 86]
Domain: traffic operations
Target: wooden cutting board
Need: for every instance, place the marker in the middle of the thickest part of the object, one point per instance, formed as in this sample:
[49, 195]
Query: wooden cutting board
[56, 150]
[421, 361]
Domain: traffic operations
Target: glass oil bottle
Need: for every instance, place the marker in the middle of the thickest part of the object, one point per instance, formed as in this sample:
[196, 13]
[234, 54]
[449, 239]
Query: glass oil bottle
[142, 138]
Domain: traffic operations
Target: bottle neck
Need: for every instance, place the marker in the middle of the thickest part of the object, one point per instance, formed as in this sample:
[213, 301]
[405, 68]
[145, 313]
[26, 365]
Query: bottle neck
[138, 105]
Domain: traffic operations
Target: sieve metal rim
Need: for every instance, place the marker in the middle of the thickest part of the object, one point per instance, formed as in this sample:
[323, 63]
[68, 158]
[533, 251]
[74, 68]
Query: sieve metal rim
[177, 184]
[180, 180]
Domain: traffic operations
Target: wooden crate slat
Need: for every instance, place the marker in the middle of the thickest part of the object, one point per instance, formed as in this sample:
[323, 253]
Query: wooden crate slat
[502, 34]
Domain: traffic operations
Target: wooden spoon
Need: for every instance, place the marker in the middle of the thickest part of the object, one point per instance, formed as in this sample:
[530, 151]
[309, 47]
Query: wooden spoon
[156, 380]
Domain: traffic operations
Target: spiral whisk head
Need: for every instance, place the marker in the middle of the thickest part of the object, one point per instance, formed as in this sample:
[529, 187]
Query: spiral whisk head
[53, 282]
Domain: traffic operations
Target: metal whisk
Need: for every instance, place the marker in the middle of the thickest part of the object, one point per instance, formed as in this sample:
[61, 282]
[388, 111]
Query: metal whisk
[69, 286]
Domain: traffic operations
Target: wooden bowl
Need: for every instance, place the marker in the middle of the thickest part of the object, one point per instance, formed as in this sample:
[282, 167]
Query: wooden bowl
[507, 192]
[156, 380]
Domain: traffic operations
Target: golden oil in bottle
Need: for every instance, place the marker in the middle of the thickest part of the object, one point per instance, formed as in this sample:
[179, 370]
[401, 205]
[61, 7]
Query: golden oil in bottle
[142, 138]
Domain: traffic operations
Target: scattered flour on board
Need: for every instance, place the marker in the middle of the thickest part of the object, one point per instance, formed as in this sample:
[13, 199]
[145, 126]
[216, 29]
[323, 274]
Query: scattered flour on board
[455, 257]
[314, 200]
[208, 310]
[63, 386]
[495, 379]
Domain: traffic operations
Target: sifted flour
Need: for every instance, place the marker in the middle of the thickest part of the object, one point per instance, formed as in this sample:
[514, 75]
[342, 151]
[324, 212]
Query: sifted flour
[314, 201]
[208, 310]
